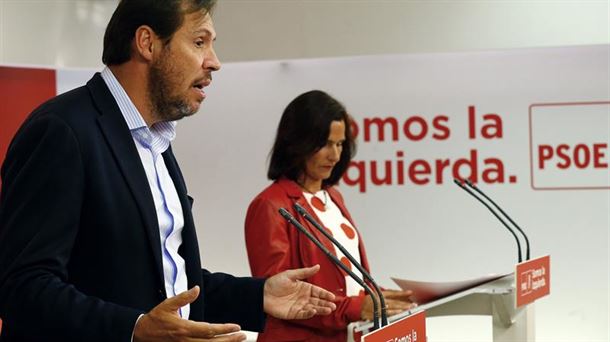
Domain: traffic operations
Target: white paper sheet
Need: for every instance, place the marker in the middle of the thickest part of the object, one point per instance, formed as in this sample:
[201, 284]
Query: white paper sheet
[424, 292]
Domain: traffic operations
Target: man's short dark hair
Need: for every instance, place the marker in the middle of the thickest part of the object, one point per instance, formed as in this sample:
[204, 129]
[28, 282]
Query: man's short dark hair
[164, 16]
[304, 129]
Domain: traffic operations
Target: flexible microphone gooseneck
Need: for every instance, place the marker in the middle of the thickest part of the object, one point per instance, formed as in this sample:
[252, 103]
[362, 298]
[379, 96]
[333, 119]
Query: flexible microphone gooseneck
[495, 214]
[527, 241]
[334, 259]
[367, 276]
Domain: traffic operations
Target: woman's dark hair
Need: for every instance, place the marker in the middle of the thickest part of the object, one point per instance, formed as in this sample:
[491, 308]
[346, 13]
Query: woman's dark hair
[163, 16]
[304, 129]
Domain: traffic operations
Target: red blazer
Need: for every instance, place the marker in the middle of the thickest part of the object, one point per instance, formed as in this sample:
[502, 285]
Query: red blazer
[274, 245]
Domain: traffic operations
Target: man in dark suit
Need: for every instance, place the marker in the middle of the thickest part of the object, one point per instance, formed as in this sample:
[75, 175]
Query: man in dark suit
[97, 240]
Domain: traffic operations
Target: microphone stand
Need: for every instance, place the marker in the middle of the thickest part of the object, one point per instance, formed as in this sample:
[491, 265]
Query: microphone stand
[308, 217]
[310, 236]
[527, 241]
[494, 213]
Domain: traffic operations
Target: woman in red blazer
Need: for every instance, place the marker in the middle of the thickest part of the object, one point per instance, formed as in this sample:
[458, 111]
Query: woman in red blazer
[312, 150]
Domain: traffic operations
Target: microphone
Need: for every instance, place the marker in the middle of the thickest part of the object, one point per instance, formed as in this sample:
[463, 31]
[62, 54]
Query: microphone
[334, 259]
[527, 241]
[461, 185]
[366, 275]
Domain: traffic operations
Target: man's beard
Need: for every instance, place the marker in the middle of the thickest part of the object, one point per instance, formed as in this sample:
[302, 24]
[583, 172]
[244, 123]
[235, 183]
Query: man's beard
[165, 105]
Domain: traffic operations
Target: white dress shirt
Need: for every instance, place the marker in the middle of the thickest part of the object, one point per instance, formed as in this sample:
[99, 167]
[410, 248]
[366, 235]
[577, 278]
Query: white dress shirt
[151, 143]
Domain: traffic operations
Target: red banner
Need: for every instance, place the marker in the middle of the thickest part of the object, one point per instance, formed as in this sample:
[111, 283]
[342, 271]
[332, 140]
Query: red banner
[22, 89]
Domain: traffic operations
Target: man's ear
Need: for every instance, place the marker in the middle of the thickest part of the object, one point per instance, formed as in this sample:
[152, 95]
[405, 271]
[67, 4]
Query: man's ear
[144, 42]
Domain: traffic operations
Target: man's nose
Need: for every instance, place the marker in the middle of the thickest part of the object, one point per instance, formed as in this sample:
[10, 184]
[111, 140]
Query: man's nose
[211, 61]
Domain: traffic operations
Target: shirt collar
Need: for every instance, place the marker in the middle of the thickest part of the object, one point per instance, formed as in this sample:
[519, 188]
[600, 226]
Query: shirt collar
[158, 137]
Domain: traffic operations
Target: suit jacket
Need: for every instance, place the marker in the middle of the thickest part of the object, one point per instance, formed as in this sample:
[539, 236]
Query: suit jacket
[274, 245]
[80, 254]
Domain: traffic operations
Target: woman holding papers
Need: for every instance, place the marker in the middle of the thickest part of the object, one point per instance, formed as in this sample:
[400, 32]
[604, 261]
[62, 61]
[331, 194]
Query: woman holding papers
[312, 150]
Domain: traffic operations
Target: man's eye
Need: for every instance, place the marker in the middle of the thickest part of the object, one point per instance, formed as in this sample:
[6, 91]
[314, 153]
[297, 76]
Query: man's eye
[199, 43]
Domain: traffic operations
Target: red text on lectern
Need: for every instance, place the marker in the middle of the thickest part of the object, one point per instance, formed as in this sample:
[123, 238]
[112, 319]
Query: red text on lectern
[409, 329]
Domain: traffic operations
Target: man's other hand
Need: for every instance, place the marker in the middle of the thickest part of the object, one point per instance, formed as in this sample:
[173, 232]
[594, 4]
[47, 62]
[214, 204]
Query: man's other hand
[163, 323]
[286, 296]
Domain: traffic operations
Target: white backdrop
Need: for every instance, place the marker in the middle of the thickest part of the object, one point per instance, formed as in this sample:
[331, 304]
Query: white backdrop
[431, 231]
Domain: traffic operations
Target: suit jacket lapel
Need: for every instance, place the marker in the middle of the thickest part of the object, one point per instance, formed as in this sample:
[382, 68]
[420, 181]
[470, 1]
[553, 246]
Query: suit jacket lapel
[119, 139]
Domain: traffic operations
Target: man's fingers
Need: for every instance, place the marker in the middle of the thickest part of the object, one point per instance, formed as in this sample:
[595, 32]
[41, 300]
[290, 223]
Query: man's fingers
[208, 330]
[174, 303]
[302, 273]
[238, 337]
[163, 321]
[323, 310]
[322, 304]
[306, 313]
[324, 296]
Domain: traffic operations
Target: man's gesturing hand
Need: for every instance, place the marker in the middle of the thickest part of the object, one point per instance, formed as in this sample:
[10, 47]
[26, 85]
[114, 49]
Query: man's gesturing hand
[163, 323]
[287, 297]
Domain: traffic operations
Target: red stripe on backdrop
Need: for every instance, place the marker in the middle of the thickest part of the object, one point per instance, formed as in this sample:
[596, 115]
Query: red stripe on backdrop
[22, 90]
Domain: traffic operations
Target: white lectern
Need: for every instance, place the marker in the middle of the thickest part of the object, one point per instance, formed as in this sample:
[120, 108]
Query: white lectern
[495, 298]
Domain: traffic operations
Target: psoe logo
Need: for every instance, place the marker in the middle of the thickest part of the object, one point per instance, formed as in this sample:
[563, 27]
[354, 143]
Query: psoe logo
[526, 282]
[533, 279]
[569, 145]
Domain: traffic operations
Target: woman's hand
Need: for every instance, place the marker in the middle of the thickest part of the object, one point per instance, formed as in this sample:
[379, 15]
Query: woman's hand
[395, 301]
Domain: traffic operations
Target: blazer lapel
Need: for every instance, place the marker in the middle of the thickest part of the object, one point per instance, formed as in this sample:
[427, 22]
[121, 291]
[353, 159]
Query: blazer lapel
[121, 143]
